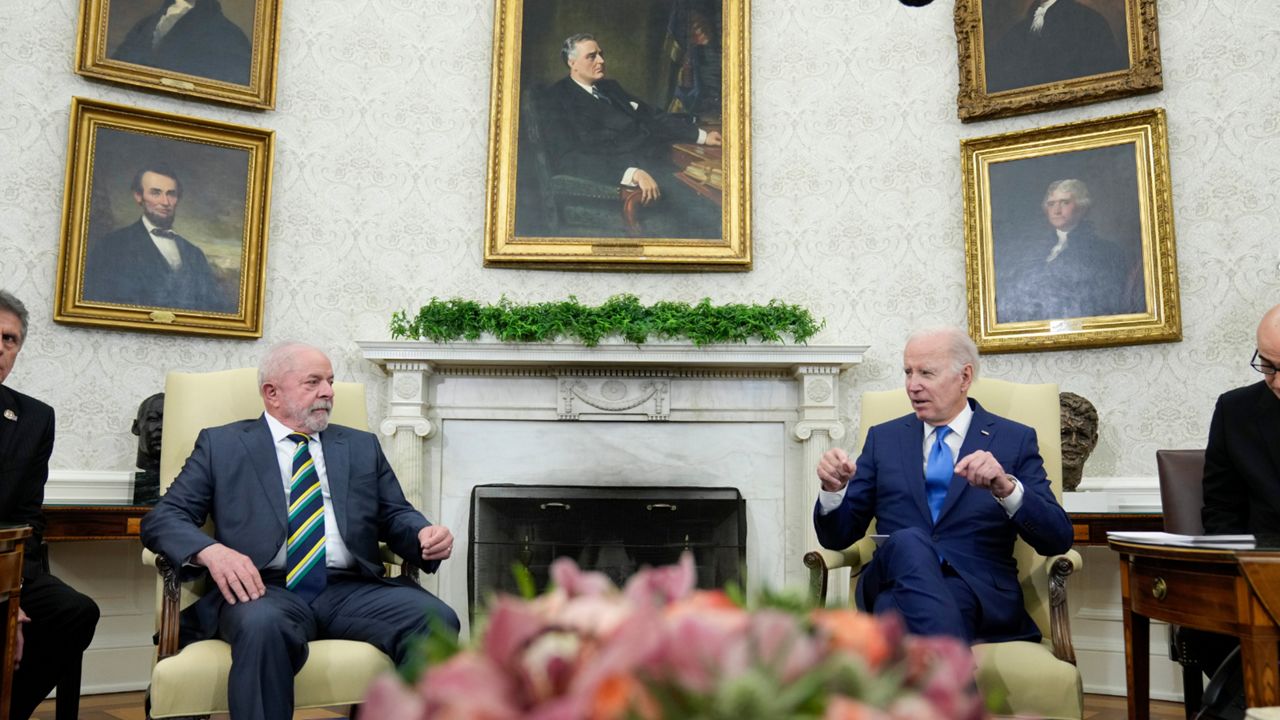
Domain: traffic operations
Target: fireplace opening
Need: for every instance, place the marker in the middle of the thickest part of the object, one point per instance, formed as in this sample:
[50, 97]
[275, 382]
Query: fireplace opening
[613, 530]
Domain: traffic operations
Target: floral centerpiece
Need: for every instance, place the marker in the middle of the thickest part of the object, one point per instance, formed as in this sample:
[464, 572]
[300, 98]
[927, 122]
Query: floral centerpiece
[661, 649]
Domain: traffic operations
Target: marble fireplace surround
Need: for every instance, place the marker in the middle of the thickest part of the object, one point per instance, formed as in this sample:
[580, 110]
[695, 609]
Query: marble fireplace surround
[755, 417]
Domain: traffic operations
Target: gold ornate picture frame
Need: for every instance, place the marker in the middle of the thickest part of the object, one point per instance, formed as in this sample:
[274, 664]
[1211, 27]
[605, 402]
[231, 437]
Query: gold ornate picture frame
[164, 223]
[1014, 60]
[221, 50]
[562, 188]
[1069, 238]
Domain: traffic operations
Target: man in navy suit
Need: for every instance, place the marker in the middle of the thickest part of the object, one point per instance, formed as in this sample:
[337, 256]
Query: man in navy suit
[597, 130]
[147, 263]
[56, 623]
[240, 475]
[952, 486]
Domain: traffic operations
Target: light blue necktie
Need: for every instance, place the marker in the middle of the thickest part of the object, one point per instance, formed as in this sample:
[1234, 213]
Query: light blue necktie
[938, 471]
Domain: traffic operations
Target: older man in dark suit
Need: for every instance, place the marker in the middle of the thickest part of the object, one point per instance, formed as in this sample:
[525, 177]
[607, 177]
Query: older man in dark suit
[595, 129]
[56, 622]
[1241, 495]
[299, 507]
[952, 486]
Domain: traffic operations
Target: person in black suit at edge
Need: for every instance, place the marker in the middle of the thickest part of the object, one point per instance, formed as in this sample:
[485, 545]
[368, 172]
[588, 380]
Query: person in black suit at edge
[299, 507]
[598, 130]
[191, 37]
[1241, 495]
[147, 263]
[56, 623]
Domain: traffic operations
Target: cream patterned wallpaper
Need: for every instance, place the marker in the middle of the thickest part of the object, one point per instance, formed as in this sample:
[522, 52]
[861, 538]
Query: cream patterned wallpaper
[378, 196]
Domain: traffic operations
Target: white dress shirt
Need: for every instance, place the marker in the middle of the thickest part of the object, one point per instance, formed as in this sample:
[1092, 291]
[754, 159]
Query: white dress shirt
[336, 554]
[167, 246]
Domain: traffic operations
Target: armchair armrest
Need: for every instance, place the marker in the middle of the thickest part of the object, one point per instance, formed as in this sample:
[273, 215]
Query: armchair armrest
[822, 561]
[391, 560]
[1059, 567]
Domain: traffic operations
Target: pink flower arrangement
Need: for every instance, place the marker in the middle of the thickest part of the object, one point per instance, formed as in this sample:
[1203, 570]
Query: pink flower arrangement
[658, 648]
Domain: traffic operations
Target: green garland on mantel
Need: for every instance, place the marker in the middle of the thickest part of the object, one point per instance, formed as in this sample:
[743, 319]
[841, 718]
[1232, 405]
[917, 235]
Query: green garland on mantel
[620, 315]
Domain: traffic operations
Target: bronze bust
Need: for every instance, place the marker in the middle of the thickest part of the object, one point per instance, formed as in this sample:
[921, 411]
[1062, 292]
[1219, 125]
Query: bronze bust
[1079, 436]
[147, 426]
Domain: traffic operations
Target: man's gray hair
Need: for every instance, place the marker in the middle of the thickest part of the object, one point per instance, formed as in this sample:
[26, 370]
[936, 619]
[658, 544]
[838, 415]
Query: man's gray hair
[960, 347]
[12, 304]
[569, 51]
[280, 359]
[1077, 188]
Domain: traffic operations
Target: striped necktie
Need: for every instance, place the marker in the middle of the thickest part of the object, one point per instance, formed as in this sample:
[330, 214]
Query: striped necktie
[305, 547]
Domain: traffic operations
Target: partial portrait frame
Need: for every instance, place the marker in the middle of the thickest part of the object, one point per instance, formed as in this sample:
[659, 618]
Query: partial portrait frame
[1126, 159]
[99, 40]
[975, 101]
[224, 187]
[504, 243]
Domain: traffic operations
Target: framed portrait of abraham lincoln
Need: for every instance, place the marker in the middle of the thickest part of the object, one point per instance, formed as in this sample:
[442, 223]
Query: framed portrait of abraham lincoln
[222, 50]
[1025, 56]
[1069, 236]
[619, 136]
[164, 223]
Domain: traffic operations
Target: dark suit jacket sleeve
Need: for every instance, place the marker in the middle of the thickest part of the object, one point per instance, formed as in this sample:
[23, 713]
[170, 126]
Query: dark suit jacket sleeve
[845, 525]
[25, 472]
[172, 528]
[1041, 521]
[399, 521]
[1226, 496]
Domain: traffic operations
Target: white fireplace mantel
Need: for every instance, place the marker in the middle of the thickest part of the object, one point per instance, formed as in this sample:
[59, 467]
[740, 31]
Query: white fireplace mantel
[752, 416]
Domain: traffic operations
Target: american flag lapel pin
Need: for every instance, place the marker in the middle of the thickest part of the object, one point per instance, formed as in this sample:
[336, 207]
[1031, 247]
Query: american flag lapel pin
[10, 415]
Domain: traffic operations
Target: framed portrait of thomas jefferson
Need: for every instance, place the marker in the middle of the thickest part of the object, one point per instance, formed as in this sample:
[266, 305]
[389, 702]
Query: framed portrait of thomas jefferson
[1025, 56]
[620, 136]
[164, 223]
[1069, 236]
[223, 50]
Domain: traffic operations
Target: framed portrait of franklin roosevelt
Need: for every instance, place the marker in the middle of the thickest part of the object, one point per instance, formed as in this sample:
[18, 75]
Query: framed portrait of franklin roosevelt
[164, 223]
[1025, 56]
[1069, 236]
[619, 136]
[222, 50]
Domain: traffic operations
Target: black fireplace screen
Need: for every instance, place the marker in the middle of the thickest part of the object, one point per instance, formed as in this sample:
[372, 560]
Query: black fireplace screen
[613, 530]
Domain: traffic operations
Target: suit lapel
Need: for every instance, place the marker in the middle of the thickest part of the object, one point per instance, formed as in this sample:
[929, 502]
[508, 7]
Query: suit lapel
[978, 438]
[337, 470]
[258, 443]
[9, 418]
[1268, 419]
[912, 447]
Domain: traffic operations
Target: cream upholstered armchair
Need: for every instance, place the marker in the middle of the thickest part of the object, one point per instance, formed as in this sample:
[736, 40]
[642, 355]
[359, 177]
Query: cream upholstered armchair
[1017, 678]
[192, 681]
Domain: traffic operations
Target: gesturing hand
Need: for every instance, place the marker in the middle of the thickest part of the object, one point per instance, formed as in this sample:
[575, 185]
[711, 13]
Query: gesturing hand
[436, 542]
[233, 572]
[982, 470]
[835, 469]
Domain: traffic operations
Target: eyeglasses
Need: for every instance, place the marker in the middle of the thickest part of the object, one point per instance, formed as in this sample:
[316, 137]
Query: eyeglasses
[1265, 366]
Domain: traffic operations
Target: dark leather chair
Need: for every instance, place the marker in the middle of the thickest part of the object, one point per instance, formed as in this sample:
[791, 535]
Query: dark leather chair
[566, 205]
[1181, 497]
